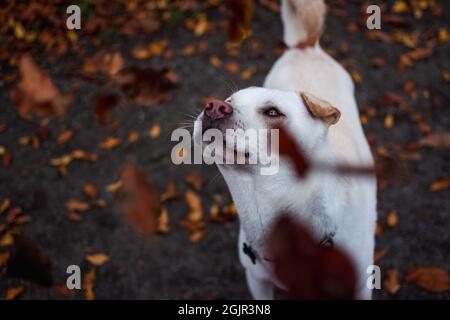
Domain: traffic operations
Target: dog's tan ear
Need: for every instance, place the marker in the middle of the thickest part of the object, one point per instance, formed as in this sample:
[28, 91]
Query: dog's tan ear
[321, 109]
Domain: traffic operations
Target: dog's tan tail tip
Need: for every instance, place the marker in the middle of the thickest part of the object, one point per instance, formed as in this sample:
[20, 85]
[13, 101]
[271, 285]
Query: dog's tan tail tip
[303, 20]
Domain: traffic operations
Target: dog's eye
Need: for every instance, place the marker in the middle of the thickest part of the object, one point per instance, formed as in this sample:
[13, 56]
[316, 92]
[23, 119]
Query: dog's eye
[272, 112]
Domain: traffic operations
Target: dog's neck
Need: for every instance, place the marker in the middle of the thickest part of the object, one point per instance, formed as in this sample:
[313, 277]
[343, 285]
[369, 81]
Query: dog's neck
[259, 199]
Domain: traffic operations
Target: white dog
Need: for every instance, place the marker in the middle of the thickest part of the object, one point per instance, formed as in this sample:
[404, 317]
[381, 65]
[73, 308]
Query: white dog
[312, 96]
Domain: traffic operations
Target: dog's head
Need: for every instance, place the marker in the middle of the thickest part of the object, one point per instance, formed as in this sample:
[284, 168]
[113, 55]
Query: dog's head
[305, 116]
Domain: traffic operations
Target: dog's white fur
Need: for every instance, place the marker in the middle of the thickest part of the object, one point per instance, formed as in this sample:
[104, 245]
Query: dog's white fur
[326, 202]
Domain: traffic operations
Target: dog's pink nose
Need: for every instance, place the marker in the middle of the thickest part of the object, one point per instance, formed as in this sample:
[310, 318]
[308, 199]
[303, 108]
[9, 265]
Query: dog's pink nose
[217, 109]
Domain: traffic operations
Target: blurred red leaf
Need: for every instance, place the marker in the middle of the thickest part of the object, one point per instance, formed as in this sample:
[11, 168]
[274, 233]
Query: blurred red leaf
[307, 269]
[289, 148]
[240, 19]
[29, 262]
[138, 199]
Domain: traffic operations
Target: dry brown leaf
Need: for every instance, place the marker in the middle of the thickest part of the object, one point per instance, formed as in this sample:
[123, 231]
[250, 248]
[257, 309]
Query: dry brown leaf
[232, 67]
[389, 121]
[392, 281]
[75, 217]
[97, 259]
[138, 199]
[155, 131]
[5, 205]
[248, 73]
[89, 284]
[90, 190]
[133, 136]
[64, 136]
[115, 186]
[13, 292]
[429, 278]
[240, 19]
[77, 205]
[36, 93]
[215, 62]
[440, 185]
[170, 193]
[163, 222]
[194, 179]
[103, 105]
[379, 254]
[195, 205]
[197, 235]
[6, 240]
[4, 257]
[110, 143]
[146, 86]
[439, 141]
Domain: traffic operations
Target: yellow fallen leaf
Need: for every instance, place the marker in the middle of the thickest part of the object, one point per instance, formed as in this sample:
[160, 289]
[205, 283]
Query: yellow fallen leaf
[155, 131]
[5, 205]
[6, 240]
[392, 219]
[163, 221]
[113, 187]
[97, 259]
[389, 121]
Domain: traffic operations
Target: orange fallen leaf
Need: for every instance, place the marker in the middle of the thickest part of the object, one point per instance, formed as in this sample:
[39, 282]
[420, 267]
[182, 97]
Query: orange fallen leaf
[64, 136]
[195, 205]
[379, 254]
[90, 190]
[429, 278]
[133, 136]
[13, 292]
[113, 187]
[232, 67]
[5, 205]
[392, 219]
[197, 235]
[155, 131]
[110, 143]
[440, 185]
[163, 222]
[194, 179]
[89, 284]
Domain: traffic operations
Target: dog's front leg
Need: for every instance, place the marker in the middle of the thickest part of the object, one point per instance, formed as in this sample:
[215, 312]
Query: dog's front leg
[261, 289]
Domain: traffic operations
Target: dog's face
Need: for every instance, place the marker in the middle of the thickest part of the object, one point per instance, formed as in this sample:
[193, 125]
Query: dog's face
[304, 116]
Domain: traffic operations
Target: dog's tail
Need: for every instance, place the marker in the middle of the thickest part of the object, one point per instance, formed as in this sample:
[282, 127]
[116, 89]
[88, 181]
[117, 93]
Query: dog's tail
[303, 21]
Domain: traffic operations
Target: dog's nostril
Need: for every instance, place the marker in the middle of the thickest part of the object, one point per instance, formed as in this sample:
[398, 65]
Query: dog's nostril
[222, 109]
[209, 106]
